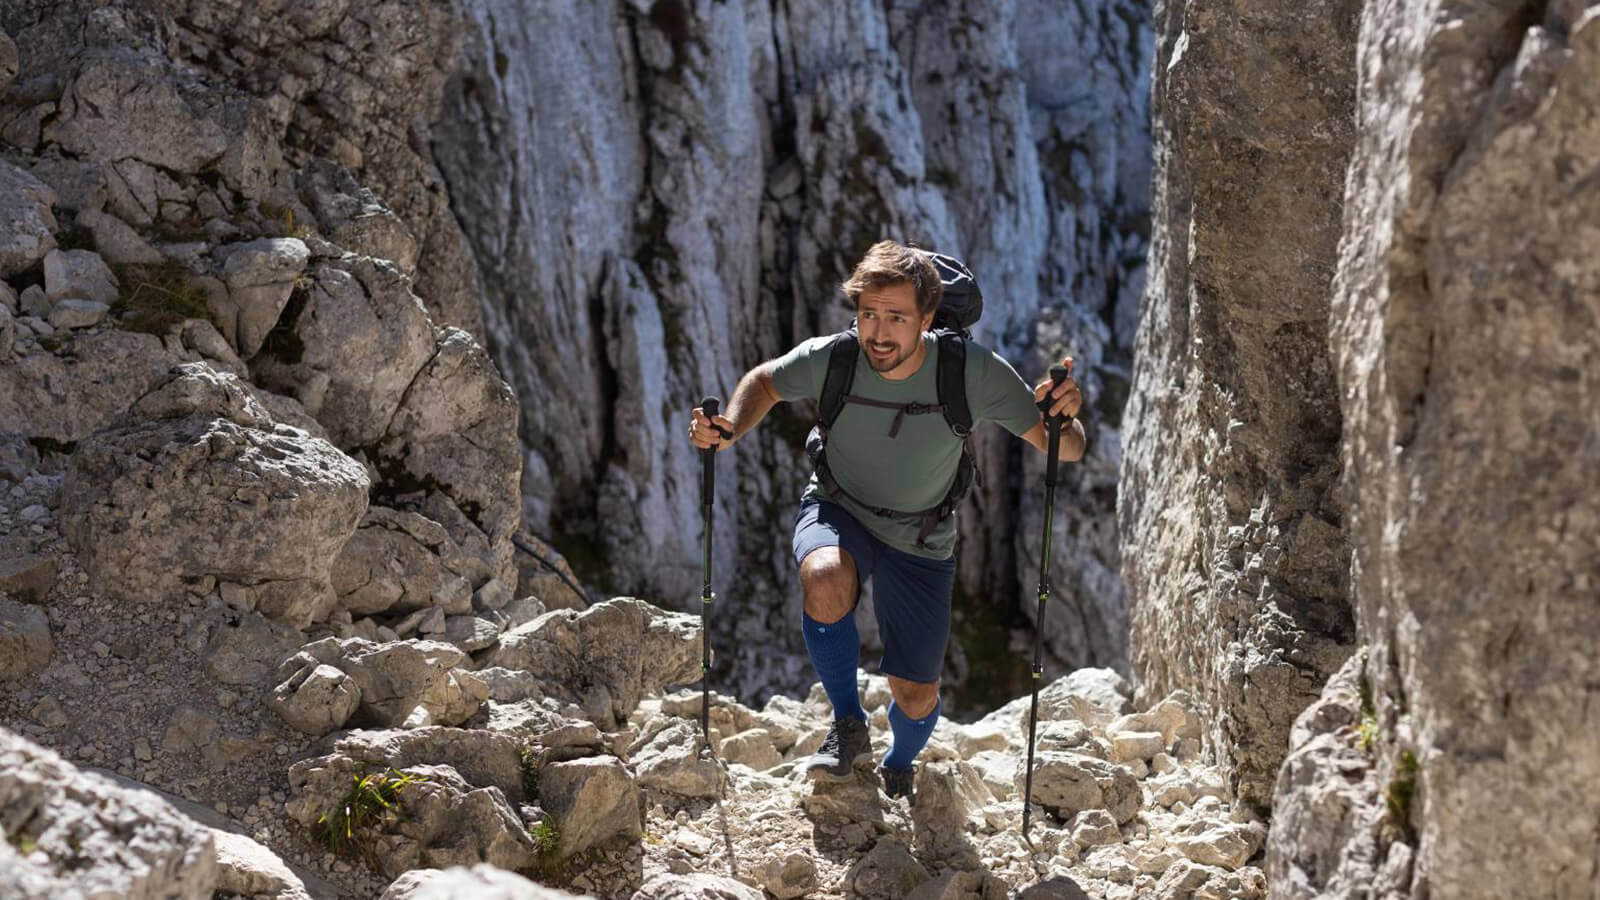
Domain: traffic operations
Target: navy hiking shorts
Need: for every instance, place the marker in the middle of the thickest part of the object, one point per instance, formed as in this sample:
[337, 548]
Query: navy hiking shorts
[910, 593]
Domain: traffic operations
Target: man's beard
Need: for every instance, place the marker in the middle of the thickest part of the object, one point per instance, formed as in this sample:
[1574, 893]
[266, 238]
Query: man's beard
[888, 364]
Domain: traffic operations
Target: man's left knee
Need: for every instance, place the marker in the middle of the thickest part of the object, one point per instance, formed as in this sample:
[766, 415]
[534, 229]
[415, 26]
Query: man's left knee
[915, 698]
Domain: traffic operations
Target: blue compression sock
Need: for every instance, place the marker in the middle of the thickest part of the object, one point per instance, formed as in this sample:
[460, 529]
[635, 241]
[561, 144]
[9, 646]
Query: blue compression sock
[910, 735]
[835, 651]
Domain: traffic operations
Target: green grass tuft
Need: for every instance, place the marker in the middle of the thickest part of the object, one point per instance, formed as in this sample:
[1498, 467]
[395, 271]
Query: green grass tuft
[546, 837]
[1402, 790]
[370, 797]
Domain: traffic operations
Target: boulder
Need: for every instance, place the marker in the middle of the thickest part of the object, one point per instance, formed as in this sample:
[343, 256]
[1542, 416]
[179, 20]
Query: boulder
[1225, 845]
[788, 877]
[29, 232]
[605, 658]
[80, 275]
[352, 216]
[438, 819]
[753, 748]
[43, 395]
[73, 314]
[1068, 783]
[887, 872]
[456, 426]
[260, 275]
[399, 562]
[360, 339]
[399, 682]
[75, 834]
[315, 700]
[483, 758]
[198, 480]
[591, 801]
[247, 869]
[670, 761]
[29, 577]
[25, 644]
[480, 882]
[117, 241]
[696, 886]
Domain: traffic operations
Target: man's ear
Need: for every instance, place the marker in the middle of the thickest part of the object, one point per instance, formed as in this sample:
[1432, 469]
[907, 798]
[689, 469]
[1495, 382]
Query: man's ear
[927, 321]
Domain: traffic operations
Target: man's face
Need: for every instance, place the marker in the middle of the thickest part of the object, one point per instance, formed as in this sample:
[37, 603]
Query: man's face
[890, 327]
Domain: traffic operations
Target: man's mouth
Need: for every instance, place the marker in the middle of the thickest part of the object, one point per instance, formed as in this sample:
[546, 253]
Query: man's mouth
[880, 349]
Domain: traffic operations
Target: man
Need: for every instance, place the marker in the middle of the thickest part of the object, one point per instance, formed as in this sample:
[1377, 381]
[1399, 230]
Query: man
[883, 461]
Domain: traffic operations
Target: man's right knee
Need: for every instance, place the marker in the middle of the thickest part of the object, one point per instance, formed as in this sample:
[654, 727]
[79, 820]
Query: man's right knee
[828, 575]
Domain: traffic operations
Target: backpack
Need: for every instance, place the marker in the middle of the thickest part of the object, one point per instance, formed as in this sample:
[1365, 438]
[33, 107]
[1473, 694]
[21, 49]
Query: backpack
[959, 308]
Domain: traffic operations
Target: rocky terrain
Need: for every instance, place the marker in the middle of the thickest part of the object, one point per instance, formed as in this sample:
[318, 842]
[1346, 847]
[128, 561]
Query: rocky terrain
[342, 345]
[199, 749]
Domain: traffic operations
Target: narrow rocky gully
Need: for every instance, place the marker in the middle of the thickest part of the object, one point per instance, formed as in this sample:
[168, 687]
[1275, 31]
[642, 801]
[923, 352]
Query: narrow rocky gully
[351, 546]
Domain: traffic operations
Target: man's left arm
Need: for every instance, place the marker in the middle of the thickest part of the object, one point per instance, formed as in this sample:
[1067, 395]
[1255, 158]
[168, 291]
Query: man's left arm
[1005, 398]
[1068, 399]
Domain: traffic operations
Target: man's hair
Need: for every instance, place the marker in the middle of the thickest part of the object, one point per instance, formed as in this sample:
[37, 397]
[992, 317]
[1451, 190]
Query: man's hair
[887, 263]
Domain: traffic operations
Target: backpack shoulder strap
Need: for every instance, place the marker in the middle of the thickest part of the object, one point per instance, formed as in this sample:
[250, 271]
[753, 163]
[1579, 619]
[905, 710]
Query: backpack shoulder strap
[952, 382]
[841, 372]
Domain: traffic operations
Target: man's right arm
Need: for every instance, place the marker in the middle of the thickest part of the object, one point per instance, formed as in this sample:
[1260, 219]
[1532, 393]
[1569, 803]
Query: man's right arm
[752, 400]
[795, 375]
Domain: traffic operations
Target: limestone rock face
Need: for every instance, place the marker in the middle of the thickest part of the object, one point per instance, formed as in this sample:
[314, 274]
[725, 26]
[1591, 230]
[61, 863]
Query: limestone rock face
[1471, 236]
[1231, 530]
[71, 833]
[746, 155]
[199, 481]
[1327, 808]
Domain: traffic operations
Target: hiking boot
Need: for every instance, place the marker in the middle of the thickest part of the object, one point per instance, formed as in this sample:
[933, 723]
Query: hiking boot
[897, 782]
[846, 742]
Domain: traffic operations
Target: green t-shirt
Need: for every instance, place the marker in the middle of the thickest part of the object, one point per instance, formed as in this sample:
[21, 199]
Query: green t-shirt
[913, 470]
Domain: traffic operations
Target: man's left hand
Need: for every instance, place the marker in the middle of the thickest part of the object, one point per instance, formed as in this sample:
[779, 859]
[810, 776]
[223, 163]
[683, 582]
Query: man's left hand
[1068, 398]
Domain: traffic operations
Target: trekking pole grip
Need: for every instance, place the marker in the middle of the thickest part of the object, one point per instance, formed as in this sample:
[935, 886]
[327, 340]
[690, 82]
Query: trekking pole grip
[1054, 423]
[710, 406]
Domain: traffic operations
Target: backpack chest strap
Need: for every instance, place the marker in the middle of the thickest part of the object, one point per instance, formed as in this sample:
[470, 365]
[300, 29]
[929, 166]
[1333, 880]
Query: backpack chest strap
[901, 409]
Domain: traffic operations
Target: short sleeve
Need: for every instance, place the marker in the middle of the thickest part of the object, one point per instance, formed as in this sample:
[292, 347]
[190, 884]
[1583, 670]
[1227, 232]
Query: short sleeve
[997, 393]
[798, 374]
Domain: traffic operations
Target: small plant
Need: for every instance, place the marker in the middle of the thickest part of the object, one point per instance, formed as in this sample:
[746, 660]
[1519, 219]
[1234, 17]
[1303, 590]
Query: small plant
[369, 798]
[1401, 791]
[23, 841]
[528, 761]
[546, 837]
[156, 297]
[1367, 731]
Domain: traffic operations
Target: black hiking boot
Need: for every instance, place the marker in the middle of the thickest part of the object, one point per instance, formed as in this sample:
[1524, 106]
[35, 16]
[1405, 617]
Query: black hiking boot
[846, 742]
[897, 782]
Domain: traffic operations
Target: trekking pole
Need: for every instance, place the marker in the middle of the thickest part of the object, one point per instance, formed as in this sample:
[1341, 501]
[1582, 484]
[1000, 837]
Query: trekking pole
[708, 490]
[1054, 423]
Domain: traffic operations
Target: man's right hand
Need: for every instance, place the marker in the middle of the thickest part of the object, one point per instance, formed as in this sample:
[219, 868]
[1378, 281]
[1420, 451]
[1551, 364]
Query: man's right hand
[703, 430]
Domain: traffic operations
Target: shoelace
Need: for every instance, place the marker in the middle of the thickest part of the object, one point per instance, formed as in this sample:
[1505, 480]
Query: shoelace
[830, 744]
